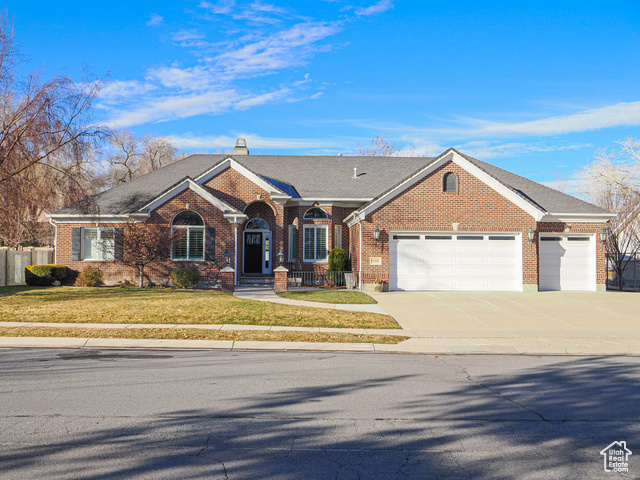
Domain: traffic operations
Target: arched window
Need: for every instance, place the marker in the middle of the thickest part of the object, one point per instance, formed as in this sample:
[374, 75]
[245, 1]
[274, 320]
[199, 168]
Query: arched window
[257, 224]
[188, 236]
[450, 182]
[315, 212]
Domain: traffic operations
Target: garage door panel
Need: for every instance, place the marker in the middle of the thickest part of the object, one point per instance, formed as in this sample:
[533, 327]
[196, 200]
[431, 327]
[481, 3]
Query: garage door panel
[567, 263]
[474, 263]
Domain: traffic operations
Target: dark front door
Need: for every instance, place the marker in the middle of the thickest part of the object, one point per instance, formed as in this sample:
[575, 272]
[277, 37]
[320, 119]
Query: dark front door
[253, 252]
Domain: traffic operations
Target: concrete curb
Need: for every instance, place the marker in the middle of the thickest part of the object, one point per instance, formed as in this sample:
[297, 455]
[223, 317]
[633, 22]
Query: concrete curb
[414, 346]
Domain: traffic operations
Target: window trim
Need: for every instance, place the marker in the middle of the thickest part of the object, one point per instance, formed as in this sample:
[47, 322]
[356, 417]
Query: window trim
[326, 215]
[444, 182]
[292, 239]
[315, 247]
[98, 239]
[188, 229]
[259, 220]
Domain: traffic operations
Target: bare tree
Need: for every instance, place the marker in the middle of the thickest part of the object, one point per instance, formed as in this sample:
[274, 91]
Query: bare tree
[130, 157]
[142, 244]
[45, 134]
[380, 147]
[612, 181]
[560, 181]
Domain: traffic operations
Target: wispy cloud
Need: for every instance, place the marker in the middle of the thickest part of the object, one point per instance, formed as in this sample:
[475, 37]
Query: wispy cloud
[155, 20]
[117, 90]
[482, 149]
[284, 49]
[256, 11]
[185, 79]
[259, 39]
[376, 8]
[189, 105]
[495, 149]
[208, 142]
[620, 114]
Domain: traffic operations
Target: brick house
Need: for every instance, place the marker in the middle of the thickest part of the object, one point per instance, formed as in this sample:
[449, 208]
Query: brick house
[449, 222]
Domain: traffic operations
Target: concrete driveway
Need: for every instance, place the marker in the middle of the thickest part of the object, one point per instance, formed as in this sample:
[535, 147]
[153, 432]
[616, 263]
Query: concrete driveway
[512, 314]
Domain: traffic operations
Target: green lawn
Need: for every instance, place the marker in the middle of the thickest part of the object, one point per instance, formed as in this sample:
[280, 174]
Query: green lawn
[166, 306]
[329, 296]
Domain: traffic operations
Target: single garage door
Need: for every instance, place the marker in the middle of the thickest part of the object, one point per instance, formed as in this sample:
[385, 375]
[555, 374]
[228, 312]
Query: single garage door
[469, 261]
[567, 262]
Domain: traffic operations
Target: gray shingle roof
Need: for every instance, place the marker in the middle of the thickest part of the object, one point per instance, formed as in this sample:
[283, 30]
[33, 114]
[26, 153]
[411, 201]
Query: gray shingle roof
[318, 177]
[550, 200]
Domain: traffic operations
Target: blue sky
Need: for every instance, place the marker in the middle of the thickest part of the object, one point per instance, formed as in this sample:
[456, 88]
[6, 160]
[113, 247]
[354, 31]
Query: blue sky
[532, 87]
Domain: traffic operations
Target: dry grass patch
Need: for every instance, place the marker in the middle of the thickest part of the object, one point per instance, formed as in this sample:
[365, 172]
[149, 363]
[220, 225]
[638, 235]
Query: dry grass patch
[197, 334]
[119, 305]
[342, 297]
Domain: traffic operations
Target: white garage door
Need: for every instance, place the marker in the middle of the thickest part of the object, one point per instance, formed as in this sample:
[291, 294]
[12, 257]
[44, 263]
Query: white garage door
[567, 262]
[469, 261]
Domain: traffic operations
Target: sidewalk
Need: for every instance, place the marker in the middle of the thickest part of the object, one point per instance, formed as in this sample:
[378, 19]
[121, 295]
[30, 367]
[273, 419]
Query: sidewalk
[530, 345]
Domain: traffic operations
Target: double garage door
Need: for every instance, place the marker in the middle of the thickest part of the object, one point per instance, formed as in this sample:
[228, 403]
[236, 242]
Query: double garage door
[490, 262]
[469, 261]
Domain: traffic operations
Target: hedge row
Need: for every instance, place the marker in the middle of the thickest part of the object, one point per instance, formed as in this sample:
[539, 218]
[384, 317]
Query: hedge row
[44, 275]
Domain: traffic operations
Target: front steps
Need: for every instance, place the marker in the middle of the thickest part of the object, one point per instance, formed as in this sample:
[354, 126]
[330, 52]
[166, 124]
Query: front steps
[245, 282]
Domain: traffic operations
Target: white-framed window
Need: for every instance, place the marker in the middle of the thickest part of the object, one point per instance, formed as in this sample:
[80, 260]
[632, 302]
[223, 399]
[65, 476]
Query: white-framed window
[187, 236]
[293, 239]
[337, 234]
[315, 212]
[98, 243]
[315, 243]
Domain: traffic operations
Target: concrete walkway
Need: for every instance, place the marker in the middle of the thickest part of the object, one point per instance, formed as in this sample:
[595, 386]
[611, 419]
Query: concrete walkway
[268, 295]
[527, 345]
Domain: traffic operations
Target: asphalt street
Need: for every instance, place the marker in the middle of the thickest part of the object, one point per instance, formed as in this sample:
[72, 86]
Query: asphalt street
[104, 414]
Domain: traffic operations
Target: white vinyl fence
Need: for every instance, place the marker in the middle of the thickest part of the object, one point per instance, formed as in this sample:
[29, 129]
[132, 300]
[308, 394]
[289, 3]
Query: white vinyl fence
[13, 263]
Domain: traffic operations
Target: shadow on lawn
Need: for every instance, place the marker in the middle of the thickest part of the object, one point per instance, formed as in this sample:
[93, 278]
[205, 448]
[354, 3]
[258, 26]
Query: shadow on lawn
[71, 293]
[554, 419]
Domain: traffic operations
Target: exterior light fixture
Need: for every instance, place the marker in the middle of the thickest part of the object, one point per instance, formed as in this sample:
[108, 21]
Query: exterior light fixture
[280, 257]
[532, 234]
[603, 235]
[227, 258]
[376, 234]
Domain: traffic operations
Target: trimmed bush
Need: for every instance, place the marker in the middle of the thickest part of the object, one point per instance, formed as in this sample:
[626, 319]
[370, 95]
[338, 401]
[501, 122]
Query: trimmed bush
[338, 262]
[44, 275]
[185, 277]
[89, 277]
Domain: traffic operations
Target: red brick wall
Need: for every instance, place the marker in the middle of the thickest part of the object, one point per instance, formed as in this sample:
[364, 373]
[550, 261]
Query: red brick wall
[159, 273]
[112, 272]
[236, 190]
[475, 207]
[295, 216]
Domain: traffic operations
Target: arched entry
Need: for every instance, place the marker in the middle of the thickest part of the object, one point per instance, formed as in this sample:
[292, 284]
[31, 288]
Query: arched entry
[257, 247]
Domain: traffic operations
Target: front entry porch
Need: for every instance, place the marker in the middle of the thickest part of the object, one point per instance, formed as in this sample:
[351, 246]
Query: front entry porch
[257, 252]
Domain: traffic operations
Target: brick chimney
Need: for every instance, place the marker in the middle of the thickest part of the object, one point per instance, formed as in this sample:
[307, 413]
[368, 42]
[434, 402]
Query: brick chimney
[241, 147]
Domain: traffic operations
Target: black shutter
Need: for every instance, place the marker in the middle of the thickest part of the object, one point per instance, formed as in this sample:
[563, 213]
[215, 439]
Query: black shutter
[210, 244]
[117, 253]
[76, 243]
